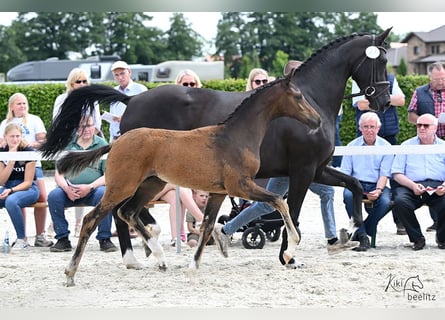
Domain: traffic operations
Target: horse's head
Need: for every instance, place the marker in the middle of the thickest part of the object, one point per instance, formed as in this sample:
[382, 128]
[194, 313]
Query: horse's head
[300, 108]
[369, 71]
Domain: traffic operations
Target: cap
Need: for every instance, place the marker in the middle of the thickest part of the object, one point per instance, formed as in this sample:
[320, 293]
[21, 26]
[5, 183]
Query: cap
[119, 65]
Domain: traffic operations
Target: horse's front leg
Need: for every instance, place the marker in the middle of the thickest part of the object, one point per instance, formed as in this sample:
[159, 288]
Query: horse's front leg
[211, 211]
[293, 236]
[89, 224]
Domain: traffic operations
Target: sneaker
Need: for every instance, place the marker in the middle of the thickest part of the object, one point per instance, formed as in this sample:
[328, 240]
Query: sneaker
[20, 244]
[61, 245]
[338, 246]
[221, 239]
[107, 246]
[41, 241]
[77, 230]
[432, 227]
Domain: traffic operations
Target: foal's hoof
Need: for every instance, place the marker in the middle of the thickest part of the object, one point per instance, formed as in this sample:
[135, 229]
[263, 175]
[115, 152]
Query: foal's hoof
[70, 282]
[162, 267]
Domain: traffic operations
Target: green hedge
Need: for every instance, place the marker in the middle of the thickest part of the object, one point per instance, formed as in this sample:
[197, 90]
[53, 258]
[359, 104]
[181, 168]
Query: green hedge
[41, 100]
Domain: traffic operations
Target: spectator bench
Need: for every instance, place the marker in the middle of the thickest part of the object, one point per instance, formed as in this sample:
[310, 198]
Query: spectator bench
[42, 204]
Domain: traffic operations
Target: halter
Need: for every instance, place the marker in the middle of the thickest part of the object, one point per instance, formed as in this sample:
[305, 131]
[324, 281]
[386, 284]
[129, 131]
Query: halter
[372, 52]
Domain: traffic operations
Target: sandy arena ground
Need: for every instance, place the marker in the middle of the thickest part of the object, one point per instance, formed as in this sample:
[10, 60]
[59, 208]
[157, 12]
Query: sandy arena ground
[384, 277]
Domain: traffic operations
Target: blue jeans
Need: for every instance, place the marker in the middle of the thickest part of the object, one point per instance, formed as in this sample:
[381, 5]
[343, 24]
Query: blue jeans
[16, 201]
[58, 201]
[281, 186]
[380, 208]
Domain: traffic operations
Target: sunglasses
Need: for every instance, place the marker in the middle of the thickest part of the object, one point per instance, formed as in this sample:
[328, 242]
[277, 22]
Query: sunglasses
[425, 125]
[189, 84]
[258, 82]
[439, 96]
[81, 81]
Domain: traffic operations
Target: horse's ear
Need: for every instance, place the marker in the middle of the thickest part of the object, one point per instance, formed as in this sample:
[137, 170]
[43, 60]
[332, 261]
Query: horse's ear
[381, 37]
[290, 75]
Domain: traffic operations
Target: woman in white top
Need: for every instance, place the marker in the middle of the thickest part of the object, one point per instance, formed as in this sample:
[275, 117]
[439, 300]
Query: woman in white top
[34, 133]
[77, 78]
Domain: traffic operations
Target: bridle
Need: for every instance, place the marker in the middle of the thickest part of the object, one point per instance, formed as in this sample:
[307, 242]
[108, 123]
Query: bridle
[372, 53]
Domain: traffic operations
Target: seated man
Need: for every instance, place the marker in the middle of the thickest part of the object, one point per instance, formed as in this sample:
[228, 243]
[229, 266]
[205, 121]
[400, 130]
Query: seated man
[86, 188]
[373, 172]
[421, 179]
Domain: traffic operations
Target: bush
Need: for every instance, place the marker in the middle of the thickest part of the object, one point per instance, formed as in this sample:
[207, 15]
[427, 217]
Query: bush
[41, 99]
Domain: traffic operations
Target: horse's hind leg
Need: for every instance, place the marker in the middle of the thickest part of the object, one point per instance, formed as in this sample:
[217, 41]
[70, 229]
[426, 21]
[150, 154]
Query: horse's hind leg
[211, 211]
[90, 223]
[130, 210]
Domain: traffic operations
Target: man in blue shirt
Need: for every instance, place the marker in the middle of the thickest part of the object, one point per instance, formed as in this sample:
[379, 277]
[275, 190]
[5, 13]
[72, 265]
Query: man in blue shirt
[373, 172]
[421, 181]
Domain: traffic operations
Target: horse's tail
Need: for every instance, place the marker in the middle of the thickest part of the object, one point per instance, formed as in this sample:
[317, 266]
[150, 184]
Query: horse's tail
[77, 104]
[75, 161]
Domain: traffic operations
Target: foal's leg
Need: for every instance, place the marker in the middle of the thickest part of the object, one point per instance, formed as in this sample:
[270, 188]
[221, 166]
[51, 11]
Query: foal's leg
[211, 211]
[250, 190]
[129, 212]
[90, 223]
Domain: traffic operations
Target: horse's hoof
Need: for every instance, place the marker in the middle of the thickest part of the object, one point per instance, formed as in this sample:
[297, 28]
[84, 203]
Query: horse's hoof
[162, 267]
[294, 265]
[134, 266]
[70, 282]
[193, 266]
[287, 257]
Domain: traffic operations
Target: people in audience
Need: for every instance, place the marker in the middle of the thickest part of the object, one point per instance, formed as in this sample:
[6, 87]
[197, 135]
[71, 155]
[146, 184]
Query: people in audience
[77, 78]
[389, 119]
[188, 78]
[200, 197]
[421, 180]
[373, 172]
[429, 98]
[34, 133]
[18, 182]
[122, 74]
[85, 188]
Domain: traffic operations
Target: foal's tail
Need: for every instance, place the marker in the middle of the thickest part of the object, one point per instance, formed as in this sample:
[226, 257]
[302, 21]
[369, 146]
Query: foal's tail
[79, 102]
[75, 161]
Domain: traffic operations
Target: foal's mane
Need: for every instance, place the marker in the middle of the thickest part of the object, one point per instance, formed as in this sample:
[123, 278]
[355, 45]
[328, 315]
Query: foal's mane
[252, 96]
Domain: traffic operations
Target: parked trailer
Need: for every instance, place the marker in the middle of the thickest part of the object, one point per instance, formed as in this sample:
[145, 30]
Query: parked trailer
[99, 70]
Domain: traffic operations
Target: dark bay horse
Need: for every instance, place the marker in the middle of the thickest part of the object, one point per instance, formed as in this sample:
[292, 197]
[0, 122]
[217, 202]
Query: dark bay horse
[142, 160]
[288, 148]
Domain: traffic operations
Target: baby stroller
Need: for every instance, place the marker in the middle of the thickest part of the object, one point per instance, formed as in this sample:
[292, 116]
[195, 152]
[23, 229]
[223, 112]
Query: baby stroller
[257, 231]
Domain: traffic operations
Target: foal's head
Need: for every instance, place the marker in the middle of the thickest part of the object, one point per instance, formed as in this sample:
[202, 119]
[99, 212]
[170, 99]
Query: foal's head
[293, 103]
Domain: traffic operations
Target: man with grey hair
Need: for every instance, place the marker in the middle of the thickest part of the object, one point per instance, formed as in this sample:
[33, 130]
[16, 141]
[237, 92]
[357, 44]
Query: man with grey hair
[429, 98]
[373, 172]
[421, 179]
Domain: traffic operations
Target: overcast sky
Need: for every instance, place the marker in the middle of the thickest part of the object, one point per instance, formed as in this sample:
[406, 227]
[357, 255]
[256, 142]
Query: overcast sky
[205, 22]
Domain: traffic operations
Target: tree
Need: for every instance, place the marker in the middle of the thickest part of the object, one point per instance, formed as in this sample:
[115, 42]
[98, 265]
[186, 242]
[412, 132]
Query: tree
[11, 54]
[183, 43]
[402, 70]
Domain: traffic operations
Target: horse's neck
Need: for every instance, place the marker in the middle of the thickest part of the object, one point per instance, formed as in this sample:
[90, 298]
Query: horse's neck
[250, 121]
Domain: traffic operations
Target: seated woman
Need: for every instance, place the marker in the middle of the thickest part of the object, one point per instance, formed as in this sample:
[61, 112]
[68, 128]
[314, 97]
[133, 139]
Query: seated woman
[168, 194]
[19, 183]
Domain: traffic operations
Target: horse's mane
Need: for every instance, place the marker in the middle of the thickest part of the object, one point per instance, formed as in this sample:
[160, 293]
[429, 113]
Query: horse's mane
[334, 43]
[252, 95]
